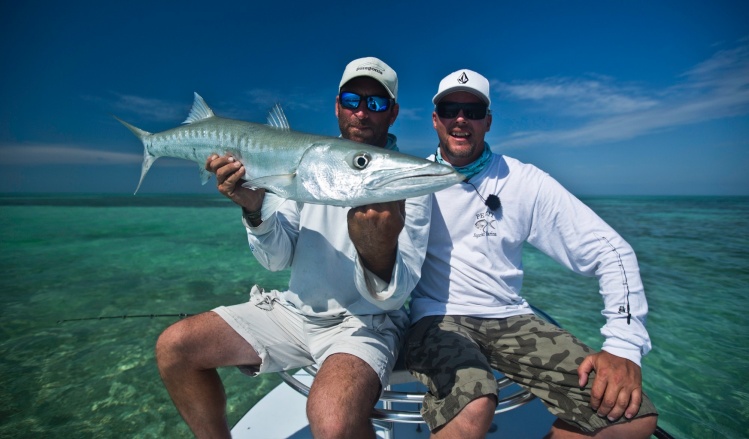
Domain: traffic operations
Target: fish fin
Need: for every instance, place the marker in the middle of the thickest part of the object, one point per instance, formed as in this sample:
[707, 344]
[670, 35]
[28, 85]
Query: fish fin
[148, 160]
[271, 203]
[204, 175]
[278, 184]
[139, 133]
[199, 111]
[277, 118]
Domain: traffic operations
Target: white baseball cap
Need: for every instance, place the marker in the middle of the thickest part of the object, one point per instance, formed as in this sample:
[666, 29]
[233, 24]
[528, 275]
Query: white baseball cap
[372, 68]
[464, 80]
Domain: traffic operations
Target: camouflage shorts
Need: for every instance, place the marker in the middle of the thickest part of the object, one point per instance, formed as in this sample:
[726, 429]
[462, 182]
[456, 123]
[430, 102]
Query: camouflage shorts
[454, 357]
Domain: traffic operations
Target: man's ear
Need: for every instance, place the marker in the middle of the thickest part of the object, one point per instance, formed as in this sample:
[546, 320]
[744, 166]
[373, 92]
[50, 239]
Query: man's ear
[394, 113]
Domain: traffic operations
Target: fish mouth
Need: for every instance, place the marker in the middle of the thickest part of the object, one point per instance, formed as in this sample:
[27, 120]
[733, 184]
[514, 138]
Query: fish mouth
[421, 176]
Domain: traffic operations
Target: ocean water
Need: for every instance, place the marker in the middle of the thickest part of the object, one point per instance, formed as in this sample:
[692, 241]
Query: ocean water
[74, 257]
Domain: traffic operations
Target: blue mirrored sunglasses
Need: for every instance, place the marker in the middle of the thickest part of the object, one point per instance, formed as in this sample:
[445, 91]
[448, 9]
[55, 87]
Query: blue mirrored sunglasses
[377, 104]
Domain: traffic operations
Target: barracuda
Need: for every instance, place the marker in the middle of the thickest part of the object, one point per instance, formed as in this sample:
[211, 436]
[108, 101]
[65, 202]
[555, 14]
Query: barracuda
[296, 166]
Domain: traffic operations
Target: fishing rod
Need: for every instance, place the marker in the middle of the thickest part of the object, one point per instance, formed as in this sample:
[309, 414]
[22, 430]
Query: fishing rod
[181, 315]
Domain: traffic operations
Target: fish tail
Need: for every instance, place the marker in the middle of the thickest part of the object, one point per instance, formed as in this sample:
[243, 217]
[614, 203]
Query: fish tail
[148, 158]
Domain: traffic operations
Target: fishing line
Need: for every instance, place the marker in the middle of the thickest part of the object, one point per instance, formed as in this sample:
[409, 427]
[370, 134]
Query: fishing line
[126, 316]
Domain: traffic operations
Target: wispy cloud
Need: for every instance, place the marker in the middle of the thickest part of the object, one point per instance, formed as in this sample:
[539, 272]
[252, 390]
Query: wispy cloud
[149, 108]
[412, 113]
[291, 99]
[716, 88]
[245, 108]
[46, 154]
[580, 97]
[62, 154]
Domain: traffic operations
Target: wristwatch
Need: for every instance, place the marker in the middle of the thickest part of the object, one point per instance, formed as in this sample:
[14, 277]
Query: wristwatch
[253, 218]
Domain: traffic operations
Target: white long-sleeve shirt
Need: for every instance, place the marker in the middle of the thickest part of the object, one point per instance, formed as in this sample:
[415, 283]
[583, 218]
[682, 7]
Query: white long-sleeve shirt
[327, 278]
[474, 259]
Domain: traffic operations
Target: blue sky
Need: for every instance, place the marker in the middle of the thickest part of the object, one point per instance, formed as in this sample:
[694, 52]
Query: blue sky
[609, 97]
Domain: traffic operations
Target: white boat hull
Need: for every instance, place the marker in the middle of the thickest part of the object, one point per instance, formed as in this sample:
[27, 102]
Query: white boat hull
[281, 414]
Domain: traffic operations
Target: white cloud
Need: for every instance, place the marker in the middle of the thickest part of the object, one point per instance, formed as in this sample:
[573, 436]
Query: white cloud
[60, 154]
[159, 110]
[714, 89]
[727, 68]
[579, 97]
[149, 108]
[44, 154]
[411, 113]
[291, 99]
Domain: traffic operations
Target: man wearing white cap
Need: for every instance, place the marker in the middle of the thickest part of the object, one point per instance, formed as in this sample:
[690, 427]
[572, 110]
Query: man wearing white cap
[344, 307]
[468, 316]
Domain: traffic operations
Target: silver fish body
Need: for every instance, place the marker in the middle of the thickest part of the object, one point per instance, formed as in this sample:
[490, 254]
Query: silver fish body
[297, 166]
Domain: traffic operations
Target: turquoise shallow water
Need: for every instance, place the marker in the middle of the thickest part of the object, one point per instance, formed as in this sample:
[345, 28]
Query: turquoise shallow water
[91, 256]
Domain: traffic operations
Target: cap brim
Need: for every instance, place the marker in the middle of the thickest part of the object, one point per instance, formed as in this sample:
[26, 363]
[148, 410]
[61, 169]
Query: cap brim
[455, 89]
[389, 92]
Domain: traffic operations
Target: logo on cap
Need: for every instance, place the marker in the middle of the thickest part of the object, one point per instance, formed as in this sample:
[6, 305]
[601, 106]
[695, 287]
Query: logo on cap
[372, 68]
[463, 78]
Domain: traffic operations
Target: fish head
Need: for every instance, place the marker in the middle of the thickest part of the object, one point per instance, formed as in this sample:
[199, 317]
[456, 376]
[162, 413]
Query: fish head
[345, 173]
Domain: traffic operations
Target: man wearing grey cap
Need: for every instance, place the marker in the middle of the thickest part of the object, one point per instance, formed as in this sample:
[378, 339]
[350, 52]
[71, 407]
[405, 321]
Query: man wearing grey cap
[343, 310]
[468, 316]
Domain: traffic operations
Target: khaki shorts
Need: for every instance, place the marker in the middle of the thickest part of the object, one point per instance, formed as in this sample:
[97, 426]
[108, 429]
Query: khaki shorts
[454, 357]
[285, 339]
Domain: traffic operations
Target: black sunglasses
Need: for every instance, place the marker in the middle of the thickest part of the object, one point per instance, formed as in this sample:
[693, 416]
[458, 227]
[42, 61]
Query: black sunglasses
[473, 111]
[377, 104]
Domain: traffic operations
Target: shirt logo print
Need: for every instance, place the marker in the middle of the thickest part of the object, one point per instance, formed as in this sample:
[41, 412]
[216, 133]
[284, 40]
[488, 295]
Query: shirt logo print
[485, 224]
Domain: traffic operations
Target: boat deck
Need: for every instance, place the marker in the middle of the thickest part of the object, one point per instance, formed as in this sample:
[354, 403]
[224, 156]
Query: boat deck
[281, 414]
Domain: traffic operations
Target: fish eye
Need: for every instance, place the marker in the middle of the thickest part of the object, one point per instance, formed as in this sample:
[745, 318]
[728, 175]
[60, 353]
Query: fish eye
[361, 160]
